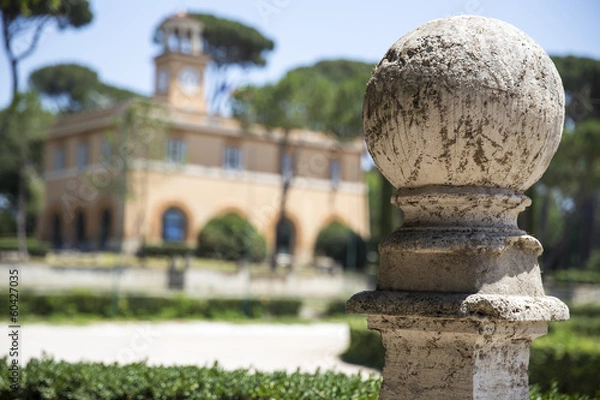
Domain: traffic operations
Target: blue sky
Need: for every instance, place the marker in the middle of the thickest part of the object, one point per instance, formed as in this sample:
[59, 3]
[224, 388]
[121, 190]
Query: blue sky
[118, 44]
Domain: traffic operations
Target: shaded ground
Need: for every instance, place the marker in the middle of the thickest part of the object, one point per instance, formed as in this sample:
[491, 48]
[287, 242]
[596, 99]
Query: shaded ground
[262, 346]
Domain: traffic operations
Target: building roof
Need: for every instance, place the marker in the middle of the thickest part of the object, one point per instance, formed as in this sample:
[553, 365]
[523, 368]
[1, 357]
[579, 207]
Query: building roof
[89, 121]
[179, 18]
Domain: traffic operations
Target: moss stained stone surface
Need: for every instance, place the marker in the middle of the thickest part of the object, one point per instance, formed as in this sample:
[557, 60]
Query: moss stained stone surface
[464, 101]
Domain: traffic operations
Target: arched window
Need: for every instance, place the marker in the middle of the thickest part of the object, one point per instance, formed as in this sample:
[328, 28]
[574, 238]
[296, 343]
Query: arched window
[174, 225]
[105, 227]
[80, 238]
[57, 241]
[285, 237]
[173, 44]
[186, 42]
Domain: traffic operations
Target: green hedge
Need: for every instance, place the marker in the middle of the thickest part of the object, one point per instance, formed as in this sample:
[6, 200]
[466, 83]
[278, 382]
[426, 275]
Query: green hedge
[34, 247]
[253, 308]
[336, 308]
[49, 379]
[575, 276]
[138, 307]
[570, 353]
[341, 243]
[365, 348]
[581, 311]
[582, 326]
[572, 371]
[593, 263]
[165, 250]
[536, 393]
[231, 237]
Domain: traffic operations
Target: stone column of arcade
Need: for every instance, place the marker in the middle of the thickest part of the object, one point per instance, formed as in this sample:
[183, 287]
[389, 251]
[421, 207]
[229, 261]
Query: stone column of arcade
[461, 115]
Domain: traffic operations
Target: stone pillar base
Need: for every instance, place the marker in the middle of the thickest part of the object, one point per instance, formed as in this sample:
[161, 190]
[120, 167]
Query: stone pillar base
[456, 346]
[429, 358]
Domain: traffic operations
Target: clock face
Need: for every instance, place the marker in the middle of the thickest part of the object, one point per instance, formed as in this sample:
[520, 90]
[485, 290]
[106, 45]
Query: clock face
[189, 80]
[162, 81]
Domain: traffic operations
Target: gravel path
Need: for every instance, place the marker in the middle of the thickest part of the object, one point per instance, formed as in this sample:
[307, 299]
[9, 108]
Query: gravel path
[261, 346]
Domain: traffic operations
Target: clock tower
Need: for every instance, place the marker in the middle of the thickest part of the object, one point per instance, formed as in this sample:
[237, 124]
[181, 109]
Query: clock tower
[179, 77]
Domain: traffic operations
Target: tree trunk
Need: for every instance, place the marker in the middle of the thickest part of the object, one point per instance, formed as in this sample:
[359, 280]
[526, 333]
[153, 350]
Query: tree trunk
[526, 219]
[285, 187]
[558, 257]
[21, 217]
[544, 210]
[588, 217]
[11, 58]
[15, 78]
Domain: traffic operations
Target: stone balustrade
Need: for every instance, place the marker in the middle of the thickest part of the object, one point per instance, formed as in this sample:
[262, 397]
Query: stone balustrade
[462, 115]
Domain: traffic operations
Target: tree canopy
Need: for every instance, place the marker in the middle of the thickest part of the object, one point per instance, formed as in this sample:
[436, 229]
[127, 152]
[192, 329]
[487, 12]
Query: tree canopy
[21, 24]
[299, 100]
[21, 153]
[340, 70]
[326, 96]
[75, 88]
[581, 79]
[230, 42]
[22, 18]
[564, 214]
[75, 13]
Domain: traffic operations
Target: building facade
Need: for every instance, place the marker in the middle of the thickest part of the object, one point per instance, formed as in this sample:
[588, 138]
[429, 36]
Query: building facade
[169, 186]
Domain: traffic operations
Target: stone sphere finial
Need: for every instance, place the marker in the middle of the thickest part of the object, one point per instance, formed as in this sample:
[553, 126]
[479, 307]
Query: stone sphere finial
[464, 101]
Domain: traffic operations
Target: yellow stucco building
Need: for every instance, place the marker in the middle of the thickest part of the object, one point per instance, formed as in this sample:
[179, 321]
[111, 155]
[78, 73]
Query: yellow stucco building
[209, 166]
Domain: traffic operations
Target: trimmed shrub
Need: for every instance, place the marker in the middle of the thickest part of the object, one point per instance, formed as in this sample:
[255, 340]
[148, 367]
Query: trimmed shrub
[342, 244]
[571, 371]
[48, 379]
[593, 263]
[584, 322]
[569, 354]
[253, 308]
[365, 349]
[536, 393]
[65, 304]
[34, 247]
[107, 305]
[584, 310]
[235, 308]
[8, 225]
[336, 308]
[282, 307]
[165, 250]
[231, 237]
[576, 276]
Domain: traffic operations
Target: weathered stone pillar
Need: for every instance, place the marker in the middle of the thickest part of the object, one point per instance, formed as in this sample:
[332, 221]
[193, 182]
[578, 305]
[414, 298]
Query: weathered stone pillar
[462, 115]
